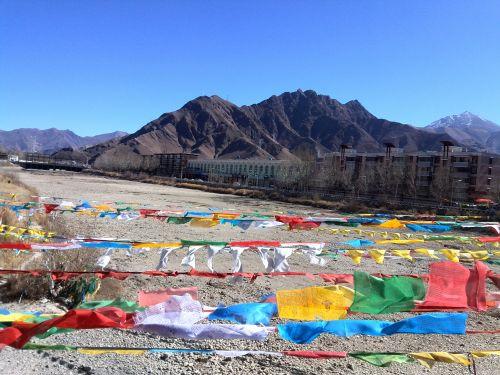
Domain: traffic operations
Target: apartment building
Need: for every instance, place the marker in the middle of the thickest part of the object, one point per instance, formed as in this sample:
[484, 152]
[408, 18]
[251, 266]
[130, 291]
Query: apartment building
[469, 174]
[453, 173]
[254, 171]
[173, 164]
[465, 175]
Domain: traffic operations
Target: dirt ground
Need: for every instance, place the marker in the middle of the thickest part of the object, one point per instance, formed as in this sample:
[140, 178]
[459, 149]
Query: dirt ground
[213, 292]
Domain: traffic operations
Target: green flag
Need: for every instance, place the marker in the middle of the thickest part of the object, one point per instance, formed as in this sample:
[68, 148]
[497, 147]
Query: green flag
[127, 306]
[48, 347]
[375, 295]
[382, 359]
[178, 220]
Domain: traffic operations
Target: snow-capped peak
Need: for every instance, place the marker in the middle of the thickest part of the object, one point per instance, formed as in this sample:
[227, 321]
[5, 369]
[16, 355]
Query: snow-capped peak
[463, 120]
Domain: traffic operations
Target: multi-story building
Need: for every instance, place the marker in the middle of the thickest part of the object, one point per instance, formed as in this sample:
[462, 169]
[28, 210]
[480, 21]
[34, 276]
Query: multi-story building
[457, 173]
[173, 164]
[453, 174]
[252, 171]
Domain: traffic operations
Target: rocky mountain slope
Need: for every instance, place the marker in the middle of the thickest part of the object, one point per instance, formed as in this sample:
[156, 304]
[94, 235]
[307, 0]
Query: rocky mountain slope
[469, 130]
[283, 127]
[49, 140]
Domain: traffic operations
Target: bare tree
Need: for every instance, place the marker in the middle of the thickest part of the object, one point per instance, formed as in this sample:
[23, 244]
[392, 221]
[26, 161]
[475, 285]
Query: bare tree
[441, 184]
[409, 183]
[305, 169]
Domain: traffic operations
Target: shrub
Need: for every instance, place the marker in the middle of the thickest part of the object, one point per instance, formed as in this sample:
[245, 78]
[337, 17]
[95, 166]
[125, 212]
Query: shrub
[17, 287]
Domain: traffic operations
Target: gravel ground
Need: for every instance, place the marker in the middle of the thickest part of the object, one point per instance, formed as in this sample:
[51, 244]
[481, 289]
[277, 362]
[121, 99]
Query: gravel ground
[212, 292]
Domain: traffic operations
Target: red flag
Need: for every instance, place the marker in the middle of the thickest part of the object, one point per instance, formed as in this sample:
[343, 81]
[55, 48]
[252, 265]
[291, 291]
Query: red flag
[106, 317]
[454, 287]
[154, 297]
[314, 354]
[49, 207]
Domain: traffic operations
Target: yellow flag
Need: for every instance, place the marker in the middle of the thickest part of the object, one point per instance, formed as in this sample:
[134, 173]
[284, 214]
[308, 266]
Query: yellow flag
[157, 245]
[87, 213]
[203, 223]
[222, 215]
[451, 254]
[479, 255]
[427, 252]
[15, 317]
[400, 242]
[405, 254]
[377, 255]
[485, 353]
[392, 224]
[111, 351]
[312, 303]
[428, 359]
[104, 207]
[356, 255]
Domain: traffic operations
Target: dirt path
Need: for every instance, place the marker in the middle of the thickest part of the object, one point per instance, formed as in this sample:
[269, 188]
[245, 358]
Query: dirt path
[92, 188]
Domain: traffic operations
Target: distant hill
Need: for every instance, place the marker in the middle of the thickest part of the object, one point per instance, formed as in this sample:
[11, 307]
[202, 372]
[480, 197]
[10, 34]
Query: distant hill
[281, 127]
[470, 130]
[49, 140]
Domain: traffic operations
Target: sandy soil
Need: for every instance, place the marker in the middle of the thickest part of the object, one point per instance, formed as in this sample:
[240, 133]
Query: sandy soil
[212, 292]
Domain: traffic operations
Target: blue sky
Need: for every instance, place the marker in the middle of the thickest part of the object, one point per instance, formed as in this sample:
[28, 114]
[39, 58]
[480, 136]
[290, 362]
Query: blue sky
[99, 66]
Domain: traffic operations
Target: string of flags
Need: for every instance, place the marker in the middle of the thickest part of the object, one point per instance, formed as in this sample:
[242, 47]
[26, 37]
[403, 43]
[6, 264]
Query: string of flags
[380, 359]
[274, 255]
[439, 299]
[10, 231]
[180, 315]
[448, 286]
[23, 234]
[64, 202]
[259, 220]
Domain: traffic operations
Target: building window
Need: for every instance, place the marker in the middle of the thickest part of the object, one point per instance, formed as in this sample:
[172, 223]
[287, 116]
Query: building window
[489, 171]
[490, 162]
[489, 181]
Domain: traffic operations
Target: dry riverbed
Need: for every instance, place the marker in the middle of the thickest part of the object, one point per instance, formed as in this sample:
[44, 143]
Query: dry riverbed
[213, 292]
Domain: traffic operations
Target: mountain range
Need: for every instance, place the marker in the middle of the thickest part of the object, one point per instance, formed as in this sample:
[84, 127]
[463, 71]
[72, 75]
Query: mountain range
[470, 130]
[49, 140]
[286, 126]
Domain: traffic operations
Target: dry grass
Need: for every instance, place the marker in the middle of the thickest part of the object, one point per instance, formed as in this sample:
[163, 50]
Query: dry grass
[17, 287]
[109, 289]
[8, 217]
[10, 183]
